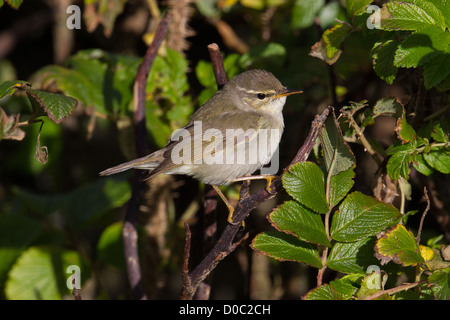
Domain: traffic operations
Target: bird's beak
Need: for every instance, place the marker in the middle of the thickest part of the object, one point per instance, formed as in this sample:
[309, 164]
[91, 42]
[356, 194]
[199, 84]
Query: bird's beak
[287, 92]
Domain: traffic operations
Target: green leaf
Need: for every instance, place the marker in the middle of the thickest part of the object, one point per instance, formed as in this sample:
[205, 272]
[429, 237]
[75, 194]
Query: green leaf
[383, 54]
[434, 9]
[110, 246]
[80, 206]
[8, 88]
[437, 70]
[40, 274]
[323, 292]
[352, 257]
[18, 231]
[388, 106]
[421, 47]
[293, 218]
[57, 106]
[396, 15]
[338, 156]
[72, 83]
[398, 163]
[304, 11]
[304, 182]
[340, 185]
[347, 286]
[328, 48]
[355, 7]
[263, 54]
[398, 245]
[284, 247]
[422, 166]
[440, 131]
[15, 4]
[440, 284]
[444, 7]
[439, 159]
[361, 216]
[372, 284]
[404, 130]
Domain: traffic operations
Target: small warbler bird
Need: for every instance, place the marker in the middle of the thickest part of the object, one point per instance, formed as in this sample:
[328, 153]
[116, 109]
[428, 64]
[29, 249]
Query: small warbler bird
[232, 135]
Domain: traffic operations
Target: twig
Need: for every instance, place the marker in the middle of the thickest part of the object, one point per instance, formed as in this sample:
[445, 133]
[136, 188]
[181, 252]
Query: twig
[225, 245]
[403, 287]
[419, 231]
[217, 64]
[76, 294]
[129, 231]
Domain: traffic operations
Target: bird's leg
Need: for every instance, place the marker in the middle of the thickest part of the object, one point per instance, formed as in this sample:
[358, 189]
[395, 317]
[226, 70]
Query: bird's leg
[268, 178]
[229, 206]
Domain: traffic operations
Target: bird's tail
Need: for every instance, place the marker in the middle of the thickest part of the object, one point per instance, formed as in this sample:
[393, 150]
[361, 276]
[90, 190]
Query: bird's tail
[149, 162]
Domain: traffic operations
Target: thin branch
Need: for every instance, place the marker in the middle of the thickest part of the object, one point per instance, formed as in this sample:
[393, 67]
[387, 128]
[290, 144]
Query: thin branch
[129, 231]
[403, 287]
[217, 64]
[225, 245]
[419, 231]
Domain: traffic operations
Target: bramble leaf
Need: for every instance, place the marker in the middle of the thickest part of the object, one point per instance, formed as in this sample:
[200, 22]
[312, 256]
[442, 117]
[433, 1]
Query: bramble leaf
[352, 257]
[398, 245]
[293, 218]
[58, 107]
[285, 247]
[305, 182]
[361, 216]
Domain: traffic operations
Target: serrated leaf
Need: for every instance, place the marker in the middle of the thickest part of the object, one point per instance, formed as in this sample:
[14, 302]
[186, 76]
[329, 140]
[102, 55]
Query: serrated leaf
[421, 46]
[422, 166]
[305, 182]
[388, 106]
[434, 10]
[352, 257]
[396, 15]
[361, 216]
[328, 48]
[57, 106]
[372, 284]
[323, 292]
[404, 130]
[440, 284]
[441, 130]
[285, 247]
[347, 286]
[398, 163]
[40, 274]
[439, 159]
[437, 70]
[340, 185]
[383, 54]
[355, 7]
[398, 245]
[338, 156]
[8, 88]
[444, 7]
[293, 218]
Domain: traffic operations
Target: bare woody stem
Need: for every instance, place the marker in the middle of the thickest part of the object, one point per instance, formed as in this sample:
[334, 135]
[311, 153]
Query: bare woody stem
[129, 231]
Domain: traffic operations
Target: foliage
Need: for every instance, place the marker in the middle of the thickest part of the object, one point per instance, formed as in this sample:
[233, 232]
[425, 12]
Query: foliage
[354, 212]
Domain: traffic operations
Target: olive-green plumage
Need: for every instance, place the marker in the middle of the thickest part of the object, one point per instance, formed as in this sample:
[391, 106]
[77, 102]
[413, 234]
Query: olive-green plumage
[249, 106]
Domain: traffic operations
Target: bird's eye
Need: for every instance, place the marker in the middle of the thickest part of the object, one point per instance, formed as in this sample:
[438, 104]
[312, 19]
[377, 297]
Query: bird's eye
[261, 96]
